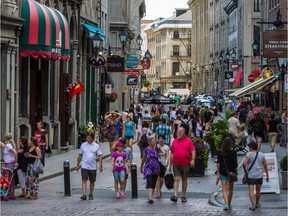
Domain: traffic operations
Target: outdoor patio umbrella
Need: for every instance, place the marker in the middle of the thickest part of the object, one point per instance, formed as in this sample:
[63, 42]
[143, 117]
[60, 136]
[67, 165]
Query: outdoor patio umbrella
[158, 99]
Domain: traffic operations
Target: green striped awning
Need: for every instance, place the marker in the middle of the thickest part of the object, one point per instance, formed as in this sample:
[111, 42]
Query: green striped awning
[45, 32]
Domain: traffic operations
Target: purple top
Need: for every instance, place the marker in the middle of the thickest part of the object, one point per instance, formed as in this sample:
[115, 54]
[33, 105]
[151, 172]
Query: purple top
[119, 161]
[151, 163]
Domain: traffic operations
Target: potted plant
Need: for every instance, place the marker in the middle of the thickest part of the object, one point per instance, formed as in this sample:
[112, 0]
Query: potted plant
[283, 167]
[83, 130]
[202, 157]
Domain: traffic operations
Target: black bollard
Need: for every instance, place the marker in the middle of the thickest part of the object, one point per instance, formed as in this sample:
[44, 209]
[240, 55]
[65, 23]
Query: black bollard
[134, 186]
[66, 168]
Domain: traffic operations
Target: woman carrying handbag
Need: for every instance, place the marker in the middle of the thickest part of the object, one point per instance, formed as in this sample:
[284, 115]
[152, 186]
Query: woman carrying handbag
[256, 163]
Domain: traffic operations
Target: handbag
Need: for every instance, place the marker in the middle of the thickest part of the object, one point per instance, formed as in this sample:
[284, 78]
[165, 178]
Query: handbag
[37, 167]
[245, 177]
[169, 181]
[48, 150]
[232, 176]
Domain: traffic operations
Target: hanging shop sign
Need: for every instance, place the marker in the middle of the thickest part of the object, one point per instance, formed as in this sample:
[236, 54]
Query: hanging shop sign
[275, 44]
[132, 71]
[132, 80]
[131, 62]
[97, 62]
[234, 66]
[145, 63]
[115, 64]
[267, 72]
[125, 88]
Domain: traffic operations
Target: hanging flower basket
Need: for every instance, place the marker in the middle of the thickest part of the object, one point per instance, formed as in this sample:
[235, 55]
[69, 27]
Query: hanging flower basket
[111, 97]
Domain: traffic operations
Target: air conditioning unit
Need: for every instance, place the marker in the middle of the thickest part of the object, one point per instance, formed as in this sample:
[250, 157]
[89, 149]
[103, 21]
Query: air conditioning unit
[177, 73]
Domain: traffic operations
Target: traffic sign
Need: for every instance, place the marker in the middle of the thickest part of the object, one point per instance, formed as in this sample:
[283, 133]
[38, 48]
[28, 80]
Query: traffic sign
[251, 77]
[234, 66]
[228, 75]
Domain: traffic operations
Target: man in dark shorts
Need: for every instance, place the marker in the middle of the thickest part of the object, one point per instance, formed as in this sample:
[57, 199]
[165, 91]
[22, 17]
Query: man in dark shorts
[88, 154]
[182, 157]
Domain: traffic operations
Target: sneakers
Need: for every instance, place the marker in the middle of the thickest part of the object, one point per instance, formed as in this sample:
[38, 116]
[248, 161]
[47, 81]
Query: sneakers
[226, 207]
[122, 195]
[117, 195]
[253, 207]
[258, 205]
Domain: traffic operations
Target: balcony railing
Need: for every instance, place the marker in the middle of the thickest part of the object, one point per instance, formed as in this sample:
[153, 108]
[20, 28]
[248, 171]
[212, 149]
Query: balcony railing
[181, 36]
[180, 54]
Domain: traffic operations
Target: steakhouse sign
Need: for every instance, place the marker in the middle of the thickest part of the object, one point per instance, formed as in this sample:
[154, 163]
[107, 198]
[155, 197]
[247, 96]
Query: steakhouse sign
[275, 44]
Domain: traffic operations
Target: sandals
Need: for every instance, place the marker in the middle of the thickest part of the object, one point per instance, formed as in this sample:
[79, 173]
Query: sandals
[150, 201]
[174, 199]
[83, 197]
[21, 196]
[183, 199]
[159, 195]
[90, 197]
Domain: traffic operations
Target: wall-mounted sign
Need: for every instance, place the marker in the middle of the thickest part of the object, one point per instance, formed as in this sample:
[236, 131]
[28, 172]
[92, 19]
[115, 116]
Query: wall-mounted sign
[251, 77]
[275, 44]
[132, 71]
[125, 88]
[98, 61]
[115, 64]
[132, 80]
[131, 62]
[228, 75]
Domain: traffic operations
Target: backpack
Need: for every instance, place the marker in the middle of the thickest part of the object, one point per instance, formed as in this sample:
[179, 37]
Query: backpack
[143, 140]
[135, 118]
[243, 115]
[258, 127]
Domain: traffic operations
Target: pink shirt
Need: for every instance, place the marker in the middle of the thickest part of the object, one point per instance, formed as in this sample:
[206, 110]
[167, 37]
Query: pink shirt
[181, 150]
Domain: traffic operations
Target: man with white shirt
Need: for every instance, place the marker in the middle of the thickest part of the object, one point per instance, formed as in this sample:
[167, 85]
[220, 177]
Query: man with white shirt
[233, 123]
[88, 154]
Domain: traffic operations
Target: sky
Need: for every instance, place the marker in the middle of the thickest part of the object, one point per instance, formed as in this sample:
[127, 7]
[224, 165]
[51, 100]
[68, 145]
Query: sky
[162, 8]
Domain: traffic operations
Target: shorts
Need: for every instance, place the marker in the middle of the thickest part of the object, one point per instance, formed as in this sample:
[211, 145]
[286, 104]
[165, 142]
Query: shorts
[88, 174]
[162, 170]
[254, 181]
[181, 170]
[119, 175]
[151, 181]
[129, 137]
[223, 177]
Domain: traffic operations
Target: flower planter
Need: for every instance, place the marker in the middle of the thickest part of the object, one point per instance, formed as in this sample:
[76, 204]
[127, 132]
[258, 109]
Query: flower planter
[214, 152]
[199, 169]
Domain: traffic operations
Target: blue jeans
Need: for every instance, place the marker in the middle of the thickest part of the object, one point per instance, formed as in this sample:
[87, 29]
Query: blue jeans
[43, 152]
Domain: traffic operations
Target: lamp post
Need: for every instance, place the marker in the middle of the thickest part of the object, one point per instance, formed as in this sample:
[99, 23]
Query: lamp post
[282, 65]
[123, 39]
[255, 48]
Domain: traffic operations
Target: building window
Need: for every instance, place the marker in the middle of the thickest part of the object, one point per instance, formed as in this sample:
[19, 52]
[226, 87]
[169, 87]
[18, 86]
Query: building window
[175, 68]
[256, 5]
[175, 50]
[189, 50]
[176, 34]
[23, 87]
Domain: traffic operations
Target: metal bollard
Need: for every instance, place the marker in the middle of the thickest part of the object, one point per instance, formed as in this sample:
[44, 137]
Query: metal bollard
[134, 186]
[67, 188]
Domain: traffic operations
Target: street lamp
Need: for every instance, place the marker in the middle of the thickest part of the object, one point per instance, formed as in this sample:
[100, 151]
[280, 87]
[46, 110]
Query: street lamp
[255, 47]
[220, 56]
[233, 54]
[282, 65]
[227, 55]
[97, 42]
[123, 38]
[139, 41]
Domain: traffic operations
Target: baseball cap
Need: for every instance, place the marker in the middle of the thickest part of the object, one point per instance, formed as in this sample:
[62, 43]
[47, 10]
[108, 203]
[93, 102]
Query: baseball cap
[119, 144]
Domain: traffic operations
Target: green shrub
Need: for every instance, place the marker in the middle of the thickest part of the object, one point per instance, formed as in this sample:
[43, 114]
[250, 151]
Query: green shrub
[283, 163]
[228, 114]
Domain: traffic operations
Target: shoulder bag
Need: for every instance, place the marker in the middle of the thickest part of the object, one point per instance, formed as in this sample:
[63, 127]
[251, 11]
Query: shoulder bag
[245, 177]
[232, 176]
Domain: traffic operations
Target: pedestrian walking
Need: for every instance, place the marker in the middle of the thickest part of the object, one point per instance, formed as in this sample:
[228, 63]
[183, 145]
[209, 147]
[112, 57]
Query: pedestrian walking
[163, 156]
[272, 129]
[226, 162]
[32, 178]
[22, 164]
[255, 162]
[88, 154]
[119, 166]
[41, 136]
[258, 129]
[164, 130]
[233, 123]
[113, 134]
[283, 128]
[150, 167]
[129, 131]
[176, 125]
[182, 157]
[142, 136]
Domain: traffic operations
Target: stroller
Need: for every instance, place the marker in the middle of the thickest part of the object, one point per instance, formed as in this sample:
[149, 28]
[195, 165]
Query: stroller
[6, 182]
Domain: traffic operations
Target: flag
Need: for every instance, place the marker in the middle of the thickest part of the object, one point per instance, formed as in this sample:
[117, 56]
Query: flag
[75, 88]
